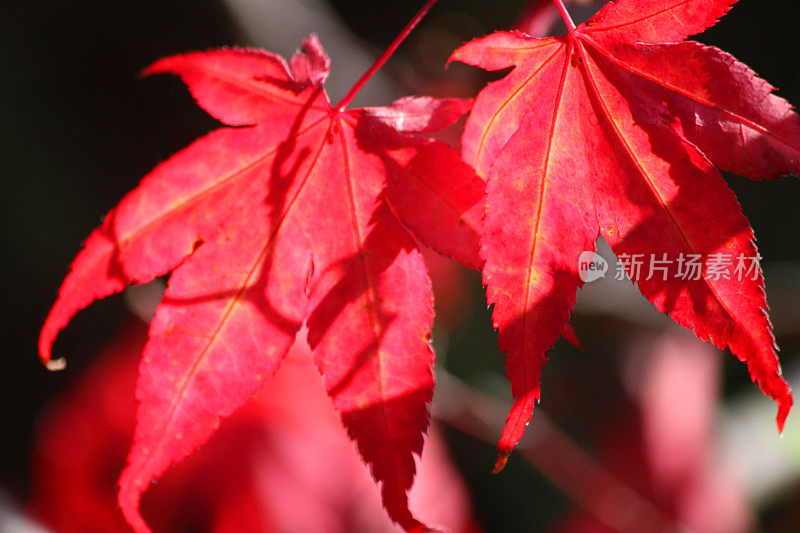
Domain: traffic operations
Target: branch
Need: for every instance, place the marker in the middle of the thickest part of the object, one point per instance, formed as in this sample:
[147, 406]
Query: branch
[554, 454]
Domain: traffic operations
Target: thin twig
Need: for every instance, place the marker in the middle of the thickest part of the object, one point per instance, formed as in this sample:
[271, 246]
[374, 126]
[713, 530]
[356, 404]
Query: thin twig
[385, 55]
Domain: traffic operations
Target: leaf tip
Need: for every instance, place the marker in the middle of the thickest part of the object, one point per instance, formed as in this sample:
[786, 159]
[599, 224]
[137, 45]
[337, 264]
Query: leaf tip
[160, 66]
[128, 498]
[44, 350]
[310, 65]
[784, 406]
[571, 337]
[455, 56]
[502, 459]
[517, 421]
[46, 338]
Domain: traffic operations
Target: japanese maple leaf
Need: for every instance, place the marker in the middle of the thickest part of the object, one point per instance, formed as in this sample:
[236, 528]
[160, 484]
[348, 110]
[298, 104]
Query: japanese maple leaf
[299, 213]
[615, 129]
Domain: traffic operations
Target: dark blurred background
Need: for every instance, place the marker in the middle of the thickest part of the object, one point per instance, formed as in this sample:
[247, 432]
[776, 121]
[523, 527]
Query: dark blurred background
[79, 130]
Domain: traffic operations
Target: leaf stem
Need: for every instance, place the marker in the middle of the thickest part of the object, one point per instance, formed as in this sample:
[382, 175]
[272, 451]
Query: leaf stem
[385, 55]
[565, 15]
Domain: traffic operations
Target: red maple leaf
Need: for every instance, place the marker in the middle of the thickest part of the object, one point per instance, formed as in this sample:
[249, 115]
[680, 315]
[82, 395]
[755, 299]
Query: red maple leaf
[298, 213]
[615, 130]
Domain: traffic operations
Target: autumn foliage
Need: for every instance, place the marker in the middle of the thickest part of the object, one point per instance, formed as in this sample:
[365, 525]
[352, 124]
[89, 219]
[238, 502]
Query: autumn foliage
[300, 212]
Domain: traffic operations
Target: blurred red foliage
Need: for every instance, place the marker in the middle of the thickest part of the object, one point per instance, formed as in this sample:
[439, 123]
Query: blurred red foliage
[281, 463]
